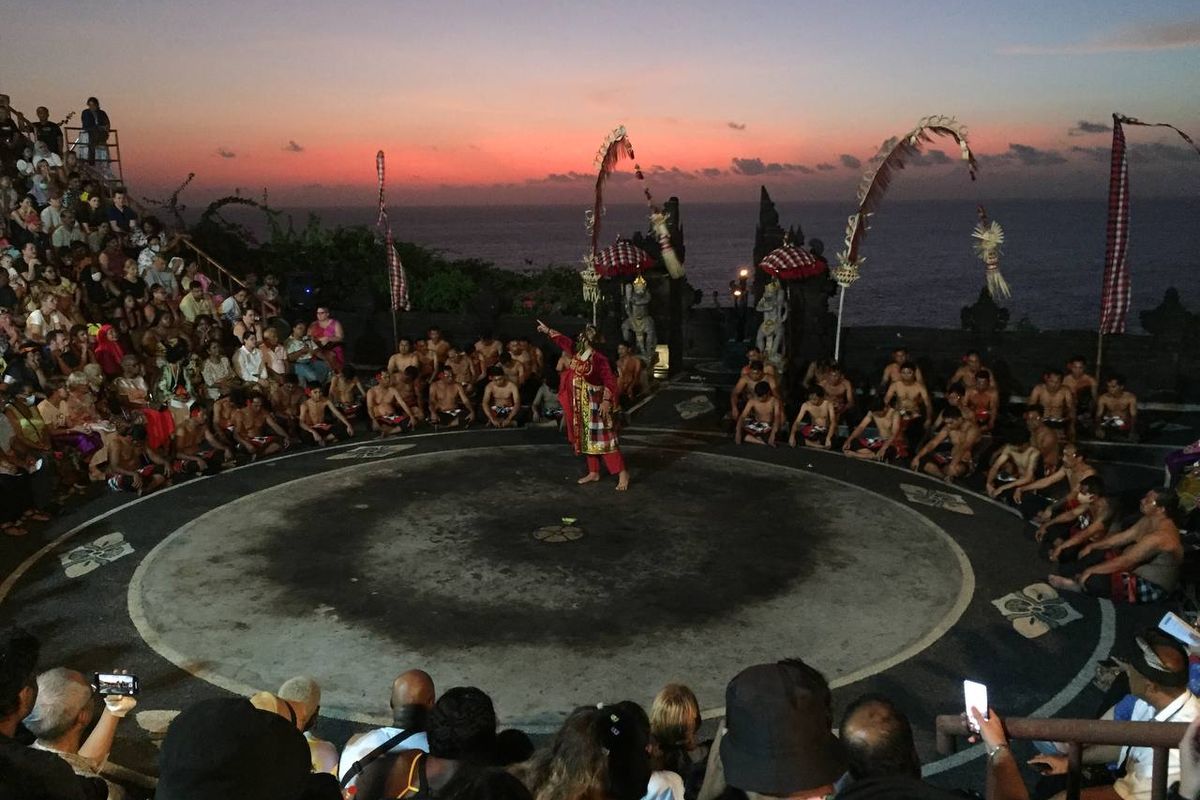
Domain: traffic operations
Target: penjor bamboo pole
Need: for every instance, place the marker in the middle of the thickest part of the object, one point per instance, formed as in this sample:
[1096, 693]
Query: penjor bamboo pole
[837, 342]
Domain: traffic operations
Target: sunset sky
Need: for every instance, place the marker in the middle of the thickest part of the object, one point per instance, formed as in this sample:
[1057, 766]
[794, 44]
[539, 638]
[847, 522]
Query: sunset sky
[506, 102]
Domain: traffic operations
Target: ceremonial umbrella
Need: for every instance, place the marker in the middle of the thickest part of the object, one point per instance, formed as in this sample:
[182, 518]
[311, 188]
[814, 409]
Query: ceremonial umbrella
[791, 263]
[622, 258]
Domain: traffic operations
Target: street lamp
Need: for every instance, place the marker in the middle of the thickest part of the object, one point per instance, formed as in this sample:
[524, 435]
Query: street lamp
[739, 287]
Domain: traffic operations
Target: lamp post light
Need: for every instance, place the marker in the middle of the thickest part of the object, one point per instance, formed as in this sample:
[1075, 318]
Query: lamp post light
[739, 287]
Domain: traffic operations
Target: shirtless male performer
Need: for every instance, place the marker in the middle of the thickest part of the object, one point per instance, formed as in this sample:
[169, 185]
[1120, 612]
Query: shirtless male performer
[409, 388]
[911, 399]
[197, 444]
[1116, 410]
[754, 354]
[386, 409]
[822, 421]
[955, 398]
[1072, 530]
[965, 374]
[1073, 469]
[891, 373]
[248, 424]
[837, 388]
[983, 401]
[346, 392]
[1081, 384]
[132, 466]
[312, 417]
[743, 390]
[878, 434]
[487, 352]
[501, 399]
[760, 418]
[1043, 438]
[463, 369]
[951, 450]
[629, 371]
[1057, 402]
[404, 357]
[1015, 465]
[448, 403]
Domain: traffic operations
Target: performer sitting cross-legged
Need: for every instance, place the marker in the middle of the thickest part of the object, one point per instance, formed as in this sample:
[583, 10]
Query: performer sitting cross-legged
[588, 393]
[501, 399]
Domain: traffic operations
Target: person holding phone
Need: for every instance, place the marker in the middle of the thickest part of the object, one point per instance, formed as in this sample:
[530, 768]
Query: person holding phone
[588, 394]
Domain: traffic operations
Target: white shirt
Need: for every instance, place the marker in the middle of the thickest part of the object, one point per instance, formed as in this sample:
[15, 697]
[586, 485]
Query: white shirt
[230, 309]
[249, 365]
[51, 218]
[357, 748]
[1139, 761]
[664, 785]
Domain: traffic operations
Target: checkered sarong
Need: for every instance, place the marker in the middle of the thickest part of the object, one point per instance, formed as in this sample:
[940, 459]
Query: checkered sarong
[1130, 588]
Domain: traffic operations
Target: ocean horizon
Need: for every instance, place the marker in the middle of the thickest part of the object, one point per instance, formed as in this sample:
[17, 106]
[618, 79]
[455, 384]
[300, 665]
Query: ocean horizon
[919, 270]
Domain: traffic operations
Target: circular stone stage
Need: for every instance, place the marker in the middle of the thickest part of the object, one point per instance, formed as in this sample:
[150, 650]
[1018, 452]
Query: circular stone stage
[443, 559]
[475, 556]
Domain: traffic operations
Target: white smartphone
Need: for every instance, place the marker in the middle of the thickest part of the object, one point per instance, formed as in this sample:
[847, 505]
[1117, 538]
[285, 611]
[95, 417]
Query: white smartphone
[975, 696]
[1178, 627]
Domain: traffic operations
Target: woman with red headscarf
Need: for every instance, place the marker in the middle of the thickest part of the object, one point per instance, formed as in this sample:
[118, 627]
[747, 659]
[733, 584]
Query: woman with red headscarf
[109, 351]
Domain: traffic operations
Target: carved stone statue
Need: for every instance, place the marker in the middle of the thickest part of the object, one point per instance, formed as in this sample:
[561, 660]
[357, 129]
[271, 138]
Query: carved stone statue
[638, 326]
[774, 309]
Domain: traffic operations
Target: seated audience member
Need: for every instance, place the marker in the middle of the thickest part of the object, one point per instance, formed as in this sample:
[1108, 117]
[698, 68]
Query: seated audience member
[911, 400]
[304, 695]
[1057, 402]
[232, 307]
[1082, 385]
[630, 369]
[882, 758]
[386, 410]
[838, 389]
[302, 354]
[462, 742]
[1014, 466]
[761, 417]
[249, 323]
[327, 333]
[743, 391]
[227, 748]
[775, 739]
[195, 303]
[133, 466]
[411, 701]
[983, 401]
[346, 392]
[218, 374]
[1157, 669]
[1032, 497]
[1074, 528]
[64, 710]
[674, 731]
[248, 361]
[274, 355]
[575, 764]
[1116, 411]
[28, 772]
[822, 421]
[501, 398]
[249, 423]
[1137, 565]
[46, 318]
[314, 413]
[546, 406]
[131, 389]
[966, 372]
[878, 435]
[891, 372]
[951, 451]
[448, 403]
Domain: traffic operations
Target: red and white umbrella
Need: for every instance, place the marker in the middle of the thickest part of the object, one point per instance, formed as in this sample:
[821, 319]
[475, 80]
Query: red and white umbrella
[622, 258]
[791, 263]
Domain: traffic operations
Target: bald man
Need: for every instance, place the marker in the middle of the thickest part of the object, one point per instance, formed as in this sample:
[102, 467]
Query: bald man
[412, 698]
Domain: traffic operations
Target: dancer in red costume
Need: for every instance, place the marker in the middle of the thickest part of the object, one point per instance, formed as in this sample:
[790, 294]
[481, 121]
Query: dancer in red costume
[588, 393]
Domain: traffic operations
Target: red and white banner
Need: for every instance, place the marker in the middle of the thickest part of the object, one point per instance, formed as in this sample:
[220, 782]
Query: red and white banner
[397, 278]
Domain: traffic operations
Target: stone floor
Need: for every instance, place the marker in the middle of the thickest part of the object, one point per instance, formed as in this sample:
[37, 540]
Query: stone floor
[475, 556]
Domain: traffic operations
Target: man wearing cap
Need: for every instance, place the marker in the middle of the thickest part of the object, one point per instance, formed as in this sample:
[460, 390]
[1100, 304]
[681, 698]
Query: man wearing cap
[776, 739]
[1158, 679]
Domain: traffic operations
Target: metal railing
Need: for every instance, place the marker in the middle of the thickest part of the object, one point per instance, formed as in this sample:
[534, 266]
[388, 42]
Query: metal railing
[102, 166]
[1162, 737]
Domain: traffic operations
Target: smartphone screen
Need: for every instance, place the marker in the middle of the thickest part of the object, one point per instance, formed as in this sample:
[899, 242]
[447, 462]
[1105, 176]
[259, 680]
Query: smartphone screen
[975, 696]
[114, 683]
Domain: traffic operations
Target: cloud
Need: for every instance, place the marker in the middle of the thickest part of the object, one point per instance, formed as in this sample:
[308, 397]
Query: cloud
[737, 126]
[292, 147]
[1097, 153]
[749, 166]
[826, 167]
[711, 172]
[1083, 127]
[933, 158]
[1159, 152]
[1133, 38]
[1026, 155]
[225, 152]
[566, 178]
[849, 161]
[756, 166]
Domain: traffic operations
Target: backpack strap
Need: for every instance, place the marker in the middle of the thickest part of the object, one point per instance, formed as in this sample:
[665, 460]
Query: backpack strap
[358, 766]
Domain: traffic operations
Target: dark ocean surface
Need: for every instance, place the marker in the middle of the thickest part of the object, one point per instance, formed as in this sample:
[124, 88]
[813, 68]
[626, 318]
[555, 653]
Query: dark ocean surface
[919, 270]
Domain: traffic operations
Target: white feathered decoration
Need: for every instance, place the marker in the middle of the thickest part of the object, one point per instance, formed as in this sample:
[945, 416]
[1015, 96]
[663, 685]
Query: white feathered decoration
[988, 236]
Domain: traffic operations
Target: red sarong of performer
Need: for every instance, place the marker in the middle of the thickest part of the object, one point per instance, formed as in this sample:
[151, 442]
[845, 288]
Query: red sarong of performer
[584, 386]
